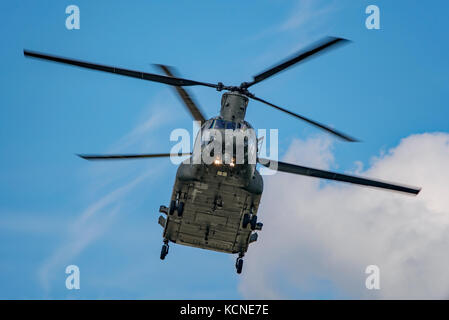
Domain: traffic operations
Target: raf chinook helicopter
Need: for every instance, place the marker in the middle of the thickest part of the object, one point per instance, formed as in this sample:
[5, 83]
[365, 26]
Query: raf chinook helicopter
[216, 194]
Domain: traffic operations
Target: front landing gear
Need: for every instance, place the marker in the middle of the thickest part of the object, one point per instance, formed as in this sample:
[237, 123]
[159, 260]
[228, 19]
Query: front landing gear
[239, 263]
[164, 250]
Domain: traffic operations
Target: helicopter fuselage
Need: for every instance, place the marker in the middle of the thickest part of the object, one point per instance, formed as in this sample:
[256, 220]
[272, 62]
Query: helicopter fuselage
[217, 190]
[208, 206]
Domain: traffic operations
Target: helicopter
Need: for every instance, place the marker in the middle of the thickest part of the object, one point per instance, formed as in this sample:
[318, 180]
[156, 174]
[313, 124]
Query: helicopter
[218, 188]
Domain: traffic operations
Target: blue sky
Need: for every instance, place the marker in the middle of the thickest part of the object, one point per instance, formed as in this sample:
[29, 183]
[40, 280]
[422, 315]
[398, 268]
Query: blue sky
[56, 209]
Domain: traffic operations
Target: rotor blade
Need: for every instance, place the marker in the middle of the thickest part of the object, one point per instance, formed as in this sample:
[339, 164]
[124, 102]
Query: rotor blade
[185, 97]
[305, 171]
[315, 49]
[124, 72]
[131, 156]
[316, 124]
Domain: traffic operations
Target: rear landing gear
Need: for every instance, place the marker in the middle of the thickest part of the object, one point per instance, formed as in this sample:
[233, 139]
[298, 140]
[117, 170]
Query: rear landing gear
[239, 263]
[246, 220]
[164, 250]
[250, 220]
[253, 222]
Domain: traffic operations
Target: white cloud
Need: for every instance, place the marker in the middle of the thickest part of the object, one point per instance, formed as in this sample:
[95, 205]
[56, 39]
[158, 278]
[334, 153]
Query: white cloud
[318, 239]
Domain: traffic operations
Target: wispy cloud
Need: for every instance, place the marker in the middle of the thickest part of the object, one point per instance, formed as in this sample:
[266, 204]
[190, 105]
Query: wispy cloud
[306, 13]
[154, 119]
[304, 18]
[86, 228]
[99, 215]
[306, 22]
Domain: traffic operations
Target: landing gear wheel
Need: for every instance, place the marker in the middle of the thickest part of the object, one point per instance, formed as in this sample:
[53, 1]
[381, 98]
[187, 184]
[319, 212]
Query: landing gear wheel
[239, 265]
[172, 208]
[164, 251]
[253, 222]
[180, 209]
[246, 220]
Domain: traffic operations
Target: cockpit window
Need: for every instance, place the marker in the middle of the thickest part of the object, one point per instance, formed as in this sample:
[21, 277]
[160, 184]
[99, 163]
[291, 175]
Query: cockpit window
[243, 146]
[218, 124]
[222, 124]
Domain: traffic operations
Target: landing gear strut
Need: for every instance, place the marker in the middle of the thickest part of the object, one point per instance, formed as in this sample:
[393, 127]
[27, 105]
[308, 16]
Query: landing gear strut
[239, 263]
[164, 250]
